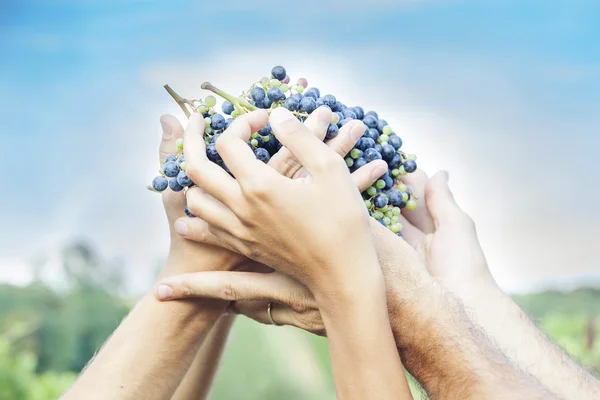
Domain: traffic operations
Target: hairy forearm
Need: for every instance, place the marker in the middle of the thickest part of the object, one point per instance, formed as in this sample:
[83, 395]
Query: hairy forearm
[517, 336]
[364, 359]
[198, 380]
[149, 353]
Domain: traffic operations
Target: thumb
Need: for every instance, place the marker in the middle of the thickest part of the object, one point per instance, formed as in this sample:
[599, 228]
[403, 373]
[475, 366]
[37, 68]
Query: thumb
[171, 131]
[440, 200]
[366, 175]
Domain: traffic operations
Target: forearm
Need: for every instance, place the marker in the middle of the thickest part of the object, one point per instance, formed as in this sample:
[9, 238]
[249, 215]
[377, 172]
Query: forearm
[149, 353]
[198, 380]
[525, 344]
[364, 359]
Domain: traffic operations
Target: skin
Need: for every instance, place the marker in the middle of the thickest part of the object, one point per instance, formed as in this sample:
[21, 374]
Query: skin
[238, 212]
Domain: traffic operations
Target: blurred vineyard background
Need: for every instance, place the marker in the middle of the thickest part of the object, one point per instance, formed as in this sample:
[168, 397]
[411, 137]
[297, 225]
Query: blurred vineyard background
[48, 333]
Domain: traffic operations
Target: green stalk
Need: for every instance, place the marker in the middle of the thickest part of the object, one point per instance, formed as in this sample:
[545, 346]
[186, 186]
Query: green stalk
[232, 99]
[181, 101]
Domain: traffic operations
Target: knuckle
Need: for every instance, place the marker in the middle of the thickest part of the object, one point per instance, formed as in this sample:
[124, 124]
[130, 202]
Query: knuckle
[257, 188]
[186, 290]
[228, 292]
[194, 172]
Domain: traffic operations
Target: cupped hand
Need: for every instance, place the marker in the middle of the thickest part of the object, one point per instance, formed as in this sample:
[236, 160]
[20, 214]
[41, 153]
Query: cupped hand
[314, 228]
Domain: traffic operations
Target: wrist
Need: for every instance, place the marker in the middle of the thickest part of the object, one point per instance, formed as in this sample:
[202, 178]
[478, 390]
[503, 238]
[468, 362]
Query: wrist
[186, 257]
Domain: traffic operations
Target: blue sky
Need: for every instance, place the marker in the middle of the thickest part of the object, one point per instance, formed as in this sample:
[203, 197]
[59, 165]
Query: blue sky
[503, 94]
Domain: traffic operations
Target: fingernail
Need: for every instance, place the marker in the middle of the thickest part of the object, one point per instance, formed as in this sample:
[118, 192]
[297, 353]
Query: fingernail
[164, 292]
[357, 132]
[280, 115]
[167, 130]
[378, 171]
[181, 228]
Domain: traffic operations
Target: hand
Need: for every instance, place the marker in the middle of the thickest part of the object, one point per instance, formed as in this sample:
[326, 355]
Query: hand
[445, 236]
[251, 215]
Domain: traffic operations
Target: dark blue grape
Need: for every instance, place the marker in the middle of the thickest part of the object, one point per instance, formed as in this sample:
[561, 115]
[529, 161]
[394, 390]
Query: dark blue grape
[278, 72]
[371, 133]
[171, 169]
[339, 107]
[395, 141]
[348, 113]
[227, 107]
[330, 101]
[214, 138]
[313, 92]
[183, 179]
[340, 116]
[380, 201]
[365, 143]
[228, 122]
[371, 155]
[395, 162]
[188, 212]
[370, 121]
[257, 94]
[358, 110]
[373, 113]
[399, 234]
[212, 154]
[292, 103]
[345, 121]
[380, 221]
[395, 197]
[217, 122]
[308, 105]
[320, 103]
[170, 158]
[332, 131]
[181, 159]
[388, 152]
[160, 183]
[266, 103]
[410, 166]
[266, 130]
[271, 145]
[359, 162]
[378, 147]
[380, 124]
[275, 94]
[176, 187]
[262, 154]
[389, 182]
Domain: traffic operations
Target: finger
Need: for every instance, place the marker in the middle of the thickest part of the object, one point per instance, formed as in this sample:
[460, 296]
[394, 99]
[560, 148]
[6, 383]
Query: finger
[171, 131]
[284, 161]
[420, 216]
[347, 137]
[211, 210]
[313, 154]
[204, 173]
[231, 286]
[411, 234]
[233, 147]
[440, 200]
[197, 230]
[368, 174]
[257, 310]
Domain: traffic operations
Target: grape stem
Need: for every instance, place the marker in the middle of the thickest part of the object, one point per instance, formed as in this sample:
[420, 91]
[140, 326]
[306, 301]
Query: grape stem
[180, 100]
[232, 99]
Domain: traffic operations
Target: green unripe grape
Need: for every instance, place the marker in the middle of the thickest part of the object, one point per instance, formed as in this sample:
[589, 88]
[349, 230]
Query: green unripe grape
[412, 157]
[402, 170]
[182, 165]
[202, 109]
[411, 205]
[402, 187]
[405, 196]
[335, 118]
[275, 83]
[211, 112]
[383, 139]
[299, 89]
[208, 130]
[349, 161]
[380, 184]
[355, 153]
[254, 135]
[368, 203]
[264, 81]
[207, 121]
[266, 139]
[395, 219]
[254, 142]
[389, 214]
[397, 227]
[179, 144]
[235, 114]
[378, 215]
[210, 101]
[284, 87]
[371, 191]
[396, 210]
[387, 221]
[387, 130]
[395, 172]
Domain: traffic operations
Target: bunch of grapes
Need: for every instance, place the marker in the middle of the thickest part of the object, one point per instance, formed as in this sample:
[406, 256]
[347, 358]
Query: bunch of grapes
[384, 199]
